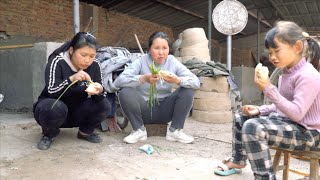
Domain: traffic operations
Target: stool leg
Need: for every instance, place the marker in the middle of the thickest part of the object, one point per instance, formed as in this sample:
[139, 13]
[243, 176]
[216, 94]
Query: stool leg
[276, 161]
[286, 163]
[314, 169]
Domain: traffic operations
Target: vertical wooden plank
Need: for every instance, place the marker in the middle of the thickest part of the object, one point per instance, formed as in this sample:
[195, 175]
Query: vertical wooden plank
[276, 161]
[286, 163]
[314, 169]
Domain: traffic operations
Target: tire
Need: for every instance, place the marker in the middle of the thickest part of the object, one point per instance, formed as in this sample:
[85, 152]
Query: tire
[274, 77]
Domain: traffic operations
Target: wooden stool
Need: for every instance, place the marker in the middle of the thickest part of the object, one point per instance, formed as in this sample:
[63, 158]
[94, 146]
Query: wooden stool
[313, 156]
[156, 129]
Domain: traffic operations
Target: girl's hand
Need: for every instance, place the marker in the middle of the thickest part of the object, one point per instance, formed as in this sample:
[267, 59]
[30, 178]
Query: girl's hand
[80, 76]
[172, 78]
[250, 110]
[94, 89]
[261, 76]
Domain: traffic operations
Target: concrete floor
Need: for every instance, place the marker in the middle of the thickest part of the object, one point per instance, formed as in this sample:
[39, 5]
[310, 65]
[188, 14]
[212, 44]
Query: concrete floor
[71, 158]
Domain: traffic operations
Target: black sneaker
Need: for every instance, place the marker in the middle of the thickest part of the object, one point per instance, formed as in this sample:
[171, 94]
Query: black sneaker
[44, 143]
[94, 137]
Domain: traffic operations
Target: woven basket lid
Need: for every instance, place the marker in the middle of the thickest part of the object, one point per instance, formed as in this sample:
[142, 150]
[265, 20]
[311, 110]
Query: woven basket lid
[230, 17]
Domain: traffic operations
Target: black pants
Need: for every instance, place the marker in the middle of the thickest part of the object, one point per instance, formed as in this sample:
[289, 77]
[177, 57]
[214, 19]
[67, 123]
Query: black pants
[86, 116]
[173, 108]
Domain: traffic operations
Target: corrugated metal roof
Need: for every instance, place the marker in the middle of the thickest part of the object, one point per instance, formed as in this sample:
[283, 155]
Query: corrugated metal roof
[306, 13]
[182, 14]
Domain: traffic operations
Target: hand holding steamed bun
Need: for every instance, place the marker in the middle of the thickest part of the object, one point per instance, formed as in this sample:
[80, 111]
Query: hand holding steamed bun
[261, 76]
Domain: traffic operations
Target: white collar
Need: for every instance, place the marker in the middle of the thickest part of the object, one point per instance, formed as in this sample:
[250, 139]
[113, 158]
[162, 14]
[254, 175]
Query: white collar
[66, 57]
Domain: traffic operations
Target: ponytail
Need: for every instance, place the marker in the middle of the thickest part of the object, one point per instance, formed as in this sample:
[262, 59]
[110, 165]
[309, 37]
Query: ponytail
[314, 52]
[63, 48]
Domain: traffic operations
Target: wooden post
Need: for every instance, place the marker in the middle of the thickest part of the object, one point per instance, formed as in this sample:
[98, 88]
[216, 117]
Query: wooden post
[314, 168]
[286, 163]
[16, 46]
[138, 44]
[86, 29]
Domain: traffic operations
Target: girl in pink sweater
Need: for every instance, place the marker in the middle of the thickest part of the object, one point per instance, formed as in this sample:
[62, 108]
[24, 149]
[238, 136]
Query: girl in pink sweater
[292, 121]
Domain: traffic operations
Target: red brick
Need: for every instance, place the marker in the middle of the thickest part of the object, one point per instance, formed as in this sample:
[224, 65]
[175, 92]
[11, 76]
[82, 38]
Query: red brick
[53, 20]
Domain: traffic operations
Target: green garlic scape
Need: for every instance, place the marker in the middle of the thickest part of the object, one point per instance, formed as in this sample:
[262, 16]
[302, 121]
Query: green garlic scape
[89, 82]
[153, 94]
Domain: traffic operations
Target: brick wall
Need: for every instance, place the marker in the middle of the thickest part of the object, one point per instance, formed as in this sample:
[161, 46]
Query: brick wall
[239, 57]
[49, 20]
[118, 29]
[52, 20]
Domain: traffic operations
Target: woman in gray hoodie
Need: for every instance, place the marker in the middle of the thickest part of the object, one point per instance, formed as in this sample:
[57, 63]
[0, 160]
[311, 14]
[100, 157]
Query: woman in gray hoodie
[174, 106]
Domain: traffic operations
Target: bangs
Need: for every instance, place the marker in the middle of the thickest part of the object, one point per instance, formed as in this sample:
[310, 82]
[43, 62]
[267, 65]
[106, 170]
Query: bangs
[269, 39]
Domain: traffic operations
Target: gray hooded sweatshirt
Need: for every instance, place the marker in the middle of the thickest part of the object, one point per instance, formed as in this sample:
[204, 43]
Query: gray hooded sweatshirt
[130, 76]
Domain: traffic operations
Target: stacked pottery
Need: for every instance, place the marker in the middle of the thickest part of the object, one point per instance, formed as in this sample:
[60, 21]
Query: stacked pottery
[194, 44]
[212, 102]
[176, 46]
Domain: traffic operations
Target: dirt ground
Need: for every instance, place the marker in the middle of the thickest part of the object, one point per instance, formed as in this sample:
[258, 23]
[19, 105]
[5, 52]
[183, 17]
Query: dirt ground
[71, 158]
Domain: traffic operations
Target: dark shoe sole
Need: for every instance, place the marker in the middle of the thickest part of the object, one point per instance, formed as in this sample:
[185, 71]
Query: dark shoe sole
[93, 138]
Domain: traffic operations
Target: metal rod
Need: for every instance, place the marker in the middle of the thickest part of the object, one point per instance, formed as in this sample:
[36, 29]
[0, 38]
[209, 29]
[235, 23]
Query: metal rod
[258, 36]
[229, 48]
[76, 16]
[210, 25]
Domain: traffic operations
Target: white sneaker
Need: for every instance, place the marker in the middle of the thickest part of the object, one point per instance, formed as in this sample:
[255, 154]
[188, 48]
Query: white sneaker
[135, 136]
[179, 135]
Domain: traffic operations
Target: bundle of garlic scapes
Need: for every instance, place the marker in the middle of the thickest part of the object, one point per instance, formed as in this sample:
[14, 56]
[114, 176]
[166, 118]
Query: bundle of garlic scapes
[153, 94]
[262, 73]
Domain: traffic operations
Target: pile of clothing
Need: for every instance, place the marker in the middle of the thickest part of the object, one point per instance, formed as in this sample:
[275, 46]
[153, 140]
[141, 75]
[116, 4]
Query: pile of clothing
[210, 69]
[113, 60]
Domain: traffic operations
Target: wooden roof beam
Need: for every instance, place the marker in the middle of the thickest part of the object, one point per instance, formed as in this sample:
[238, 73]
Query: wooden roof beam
[179, 8]
[256, 17]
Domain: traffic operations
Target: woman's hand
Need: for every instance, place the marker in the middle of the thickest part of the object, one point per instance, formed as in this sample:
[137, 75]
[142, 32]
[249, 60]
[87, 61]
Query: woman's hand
[80, 76]
[150, 78]
[250, 110]
[172, 78]
[94, 89]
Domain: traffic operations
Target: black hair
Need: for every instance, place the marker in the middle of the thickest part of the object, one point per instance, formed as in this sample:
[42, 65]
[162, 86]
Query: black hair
[289, 32]
[156, 35]
[80, 40]
[314, 52]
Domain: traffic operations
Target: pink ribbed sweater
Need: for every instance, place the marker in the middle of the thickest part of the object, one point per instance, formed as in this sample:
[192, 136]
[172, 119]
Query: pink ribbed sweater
[298, 97]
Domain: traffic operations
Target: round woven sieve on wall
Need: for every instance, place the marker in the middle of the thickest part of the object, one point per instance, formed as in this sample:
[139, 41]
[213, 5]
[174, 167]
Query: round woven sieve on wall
[229, 17]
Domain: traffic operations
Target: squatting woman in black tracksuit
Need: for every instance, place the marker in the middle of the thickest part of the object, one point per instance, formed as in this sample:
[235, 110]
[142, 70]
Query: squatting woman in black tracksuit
[74, 62]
